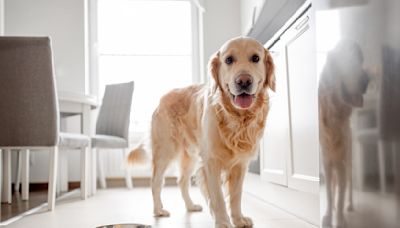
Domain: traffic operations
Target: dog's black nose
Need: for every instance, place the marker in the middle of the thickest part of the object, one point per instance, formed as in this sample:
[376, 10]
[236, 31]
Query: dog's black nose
[244, 81]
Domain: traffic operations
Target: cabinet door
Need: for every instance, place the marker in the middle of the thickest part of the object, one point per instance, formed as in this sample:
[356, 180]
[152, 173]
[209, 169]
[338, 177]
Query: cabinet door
[303, 168]
[276, 141]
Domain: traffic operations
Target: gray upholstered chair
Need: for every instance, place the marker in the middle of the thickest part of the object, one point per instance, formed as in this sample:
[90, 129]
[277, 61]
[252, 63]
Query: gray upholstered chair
[29, 117]
[112, 128]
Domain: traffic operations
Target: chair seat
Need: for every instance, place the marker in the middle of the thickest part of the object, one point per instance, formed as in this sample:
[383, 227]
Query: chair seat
[72, 140]
[108, 141]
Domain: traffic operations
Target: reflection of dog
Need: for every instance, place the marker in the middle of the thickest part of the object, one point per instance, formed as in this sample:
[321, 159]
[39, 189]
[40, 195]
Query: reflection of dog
[222, 123]
[342, 85]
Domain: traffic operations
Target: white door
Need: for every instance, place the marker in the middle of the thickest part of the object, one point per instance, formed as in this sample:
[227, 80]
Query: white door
[290, 147]
[276, 142]
[303, 162]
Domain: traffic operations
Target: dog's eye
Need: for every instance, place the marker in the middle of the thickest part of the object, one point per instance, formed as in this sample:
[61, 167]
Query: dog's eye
[229, 60]
[255, 58]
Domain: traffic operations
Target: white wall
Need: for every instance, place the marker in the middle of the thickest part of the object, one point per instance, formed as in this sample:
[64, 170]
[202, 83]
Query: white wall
[221, 21]
[1, 17]
[63, 20]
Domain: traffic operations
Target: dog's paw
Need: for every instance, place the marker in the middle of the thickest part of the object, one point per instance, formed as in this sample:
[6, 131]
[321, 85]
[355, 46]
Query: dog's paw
[194, 208]
[223, 224]
[327, 221]
[243, 222]
[161, 213]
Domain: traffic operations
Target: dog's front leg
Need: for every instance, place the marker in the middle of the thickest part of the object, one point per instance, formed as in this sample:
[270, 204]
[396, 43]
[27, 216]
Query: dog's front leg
[235, 185]
[213, 178]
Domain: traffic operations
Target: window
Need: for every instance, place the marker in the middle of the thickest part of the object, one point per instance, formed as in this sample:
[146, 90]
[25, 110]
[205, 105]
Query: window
[149, 42]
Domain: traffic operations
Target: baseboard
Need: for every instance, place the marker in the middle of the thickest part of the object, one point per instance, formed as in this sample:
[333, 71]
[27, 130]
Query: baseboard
[39, 187]
[113, 182]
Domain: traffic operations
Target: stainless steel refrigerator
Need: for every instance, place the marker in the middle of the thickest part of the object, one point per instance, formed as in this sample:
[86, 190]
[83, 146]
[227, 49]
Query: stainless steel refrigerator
[358, 69]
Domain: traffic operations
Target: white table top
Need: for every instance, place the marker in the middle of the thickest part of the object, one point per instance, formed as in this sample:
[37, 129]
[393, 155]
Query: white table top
[68, 96]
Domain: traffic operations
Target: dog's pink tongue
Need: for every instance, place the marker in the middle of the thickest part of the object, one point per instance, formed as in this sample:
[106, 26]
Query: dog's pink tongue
[243, 100]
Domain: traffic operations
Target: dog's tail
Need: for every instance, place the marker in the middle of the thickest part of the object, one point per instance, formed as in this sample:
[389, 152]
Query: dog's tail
[137, 156]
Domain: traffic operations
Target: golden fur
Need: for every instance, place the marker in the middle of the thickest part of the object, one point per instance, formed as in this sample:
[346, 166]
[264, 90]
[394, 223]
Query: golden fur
[202, 121]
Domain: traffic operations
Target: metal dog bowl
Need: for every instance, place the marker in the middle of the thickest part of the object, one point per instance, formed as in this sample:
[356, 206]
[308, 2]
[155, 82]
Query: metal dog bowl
[125, 226]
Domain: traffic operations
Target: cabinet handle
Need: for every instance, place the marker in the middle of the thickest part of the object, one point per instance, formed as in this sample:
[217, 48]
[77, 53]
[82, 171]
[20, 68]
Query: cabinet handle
[302, 23]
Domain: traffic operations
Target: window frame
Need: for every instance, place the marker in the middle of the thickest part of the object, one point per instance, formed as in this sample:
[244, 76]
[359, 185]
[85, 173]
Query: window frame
[92, 53]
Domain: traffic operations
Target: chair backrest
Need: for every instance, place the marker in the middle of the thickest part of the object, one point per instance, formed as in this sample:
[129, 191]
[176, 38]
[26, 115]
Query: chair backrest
[115, 110]
[28, 103]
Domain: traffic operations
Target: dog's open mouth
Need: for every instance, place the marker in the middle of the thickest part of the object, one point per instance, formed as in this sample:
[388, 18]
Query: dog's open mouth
[243, 100]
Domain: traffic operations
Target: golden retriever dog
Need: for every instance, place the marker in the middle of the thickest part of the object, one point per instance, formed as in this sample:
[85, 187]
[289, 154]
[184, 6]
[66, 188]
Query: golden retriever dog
[218, 124]
[342, 84]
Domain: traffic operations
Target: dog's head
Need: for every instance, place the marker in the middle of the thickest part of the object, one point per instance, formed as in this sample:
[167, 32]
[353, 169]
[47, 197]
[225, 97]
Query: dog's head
[351, 79]
[242, 69]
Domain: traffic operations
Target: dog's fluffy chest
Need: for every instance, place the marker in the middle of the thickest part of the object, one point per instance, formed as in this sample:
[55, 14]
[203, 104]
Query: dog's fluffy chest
[240, 135]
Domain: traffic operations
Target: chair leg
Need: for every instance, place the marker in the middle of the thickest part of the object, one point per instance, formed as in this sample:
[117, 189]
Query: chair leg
[18, 171]
[24, 164]
[84, 172]
[58, 184]
[128, 177]
[62, 172]
[6, 197]
[94, 171]
[381, 163]
[103, 183]
[396, 168]
[360, 173]
[51, 195]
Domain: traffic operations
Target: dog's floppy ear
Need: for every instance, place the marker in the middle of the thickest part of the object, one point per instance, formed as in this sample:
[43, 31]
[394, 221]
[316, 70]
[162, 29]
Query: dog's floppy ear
[269, 70]
[213, 67]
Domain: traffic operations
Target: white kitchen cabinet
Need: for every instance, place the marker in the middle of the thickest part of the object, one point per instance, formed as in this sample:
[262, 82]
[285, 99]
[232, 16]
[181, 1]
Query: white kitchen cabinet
[303, 161]
[276, 141]
[262, 19]
[290, 149]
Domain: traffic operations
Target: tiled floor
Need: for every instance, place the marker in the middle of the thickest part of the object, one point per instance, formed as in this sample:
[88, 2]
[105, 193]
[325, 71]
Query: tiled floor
[135, 206]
